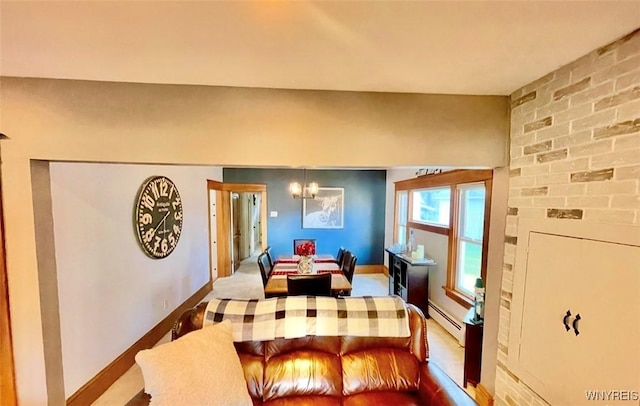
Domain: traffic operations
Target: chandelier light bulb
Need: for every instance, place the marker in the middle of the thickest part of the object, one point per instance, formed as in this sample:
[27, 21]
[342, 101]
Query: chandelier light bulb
[295, 189]
[313, 189]
[304, 191]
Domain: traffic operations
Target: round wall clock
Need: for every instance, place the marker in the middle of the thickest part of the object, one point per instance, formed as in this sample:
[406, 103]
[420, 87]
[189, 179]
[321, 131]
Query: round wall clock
[158, 216]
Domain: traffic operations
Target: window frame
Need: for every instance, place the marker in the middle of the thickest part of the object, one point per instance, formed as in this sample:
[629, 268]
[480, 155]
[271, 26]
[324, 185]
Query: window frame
[452, 179]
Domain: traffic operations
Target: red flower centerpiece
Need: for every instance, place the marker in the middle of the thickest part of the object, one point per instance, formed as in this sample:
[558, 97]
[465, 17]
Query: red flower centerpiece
[305, 250]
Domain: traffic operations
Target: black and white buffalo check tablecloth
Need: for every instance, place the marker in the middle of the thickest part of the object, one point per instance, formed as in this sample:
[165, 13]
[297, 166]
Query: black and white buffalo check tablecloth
[299, 316]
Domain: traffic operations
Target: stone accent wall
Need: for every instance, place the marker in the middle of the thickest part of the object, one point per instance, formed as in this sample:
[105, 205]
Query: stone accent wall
[575, 154]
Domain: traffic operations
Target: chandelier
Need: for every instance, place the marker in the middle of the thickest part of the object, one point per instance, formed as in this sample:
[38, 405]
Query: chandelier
[305, 191]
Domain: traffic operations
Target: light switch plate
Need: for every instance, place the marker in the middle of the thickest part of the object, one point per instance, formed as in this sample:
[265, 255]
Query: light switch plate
[273, 214]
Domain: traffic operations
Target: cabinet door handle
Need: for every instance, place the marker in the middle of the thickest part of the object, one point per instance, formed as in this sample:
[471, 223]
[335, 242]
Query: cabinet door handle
[575, 323]
[566, 319]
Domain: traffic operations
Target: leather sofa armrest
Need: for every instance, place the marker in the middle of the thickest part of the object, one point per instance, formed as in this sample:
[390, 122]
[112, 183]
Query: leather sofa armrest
[189, 320]
[437, 389]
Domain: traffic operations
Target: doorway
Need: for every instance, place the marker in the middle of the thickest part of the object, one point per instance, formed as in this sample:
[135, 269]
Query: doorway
[246, 225]
[238, 224]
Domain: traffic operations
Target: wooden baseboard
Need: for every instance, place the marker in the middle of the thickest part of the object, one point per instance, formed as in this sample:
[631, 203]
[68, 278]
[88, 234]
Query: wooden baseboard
[369, 269]
[92, 390]
[385, 270]
[483, 397]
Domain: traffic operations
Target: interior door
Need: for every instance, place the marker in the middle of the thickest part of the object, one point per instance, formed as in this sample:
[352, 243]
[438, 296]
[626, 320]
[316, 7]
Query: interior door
[607, 347]
[251, 242]
[236, 230]
[219, 229]
[213, 226]
[256, 222]
[543, 335]
[245, 225]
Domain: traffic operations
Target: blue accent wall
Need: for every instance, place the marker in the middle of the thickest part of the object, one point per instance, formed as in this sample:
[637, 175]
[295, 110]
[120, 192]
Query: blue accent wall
[364, 211]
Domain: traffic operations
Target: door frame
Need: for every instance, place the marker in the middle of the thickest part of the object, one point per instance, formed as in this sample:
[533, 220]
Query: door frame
[7, 368]
[223, 220]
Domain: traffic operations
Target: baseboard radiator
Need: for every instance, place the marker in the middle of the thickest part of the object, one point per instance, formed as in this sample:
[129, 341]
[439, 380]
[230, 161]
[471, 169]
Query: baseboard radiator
[447, 321]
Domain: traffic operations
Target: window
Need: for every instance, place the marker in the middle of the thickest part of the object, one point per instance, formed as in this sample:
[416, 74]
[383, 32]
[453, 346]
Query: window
[432, 206]
[469, 236]
[402, 207]
[453, 204]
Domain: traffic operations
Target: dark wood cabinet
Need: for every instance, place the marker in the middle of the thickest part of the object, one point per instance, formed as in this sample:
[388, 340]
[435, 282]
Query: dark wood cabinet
[409, 279]
[472, 349]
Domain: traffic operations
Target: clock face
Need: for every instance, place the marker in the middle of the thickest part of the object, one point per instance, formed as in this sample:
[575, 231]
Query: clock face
[158, 216]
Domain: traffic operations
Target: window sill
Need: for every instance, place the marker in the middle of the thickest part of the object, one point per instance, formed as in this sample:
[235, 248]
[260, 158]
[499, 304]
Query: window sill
[458, 297]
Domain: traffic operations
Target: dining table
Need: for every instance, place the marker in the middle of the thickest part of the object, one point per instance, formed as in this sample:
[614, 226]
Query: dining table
[288, 265]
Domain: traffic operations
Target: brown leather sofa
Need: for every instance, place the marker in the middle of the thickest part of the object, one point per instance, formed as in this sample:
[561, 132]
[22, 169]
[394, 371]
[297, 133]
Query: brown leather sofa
[349, 371]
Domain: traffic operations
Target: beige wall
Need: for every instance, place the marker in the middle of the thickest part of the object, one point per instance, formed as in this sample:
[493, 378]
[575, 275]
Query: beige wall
[98, 261]
[98, 121]
[393, 175]
[135, 123]
[575, 153]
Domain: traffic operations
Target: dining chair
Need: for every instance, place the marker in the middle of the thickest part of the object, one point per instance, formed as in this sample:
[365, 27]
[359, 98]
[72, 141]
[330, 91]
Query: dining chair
[267, 251]
[263, 264]
[350, 268]
[346, 259]
[340, 256]
[310, 285]
[299, 241]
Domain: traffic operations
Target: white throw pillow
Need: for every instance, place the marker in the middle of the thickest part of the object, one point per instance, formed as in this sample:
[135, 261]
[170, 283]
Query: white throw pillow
[200, 368]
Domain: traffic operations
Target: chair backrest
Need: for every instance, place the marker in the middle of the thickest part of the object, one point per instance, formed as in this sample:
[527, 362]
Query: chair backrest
[346, 258]
[300, 241]
[351, 269]
[349, 265]
[267, 251]
[309, 284]
[263, 264]
[340, 256]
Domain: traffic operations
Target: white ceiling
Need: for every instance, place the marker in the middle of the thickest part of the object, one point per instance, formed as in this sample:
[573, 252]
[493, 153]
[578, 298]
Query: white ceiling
[473, 47]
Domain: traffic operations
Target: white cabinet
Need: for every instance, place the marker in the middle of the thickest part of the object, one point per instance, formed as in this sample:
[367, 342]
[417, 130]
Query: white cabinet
[591, 271]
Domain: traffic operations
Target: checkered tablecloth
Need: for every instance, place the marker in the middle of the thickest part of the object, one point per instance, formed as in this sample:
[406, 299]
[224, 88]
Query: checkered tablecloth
[299, 316]
[295, 272]
[281, 270]
[293, 259]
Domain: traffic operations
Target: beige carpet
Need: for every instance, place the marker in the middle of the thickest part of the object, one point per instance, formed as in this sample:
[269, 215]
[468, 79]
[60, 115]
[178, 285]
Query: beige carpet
[245, 283]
